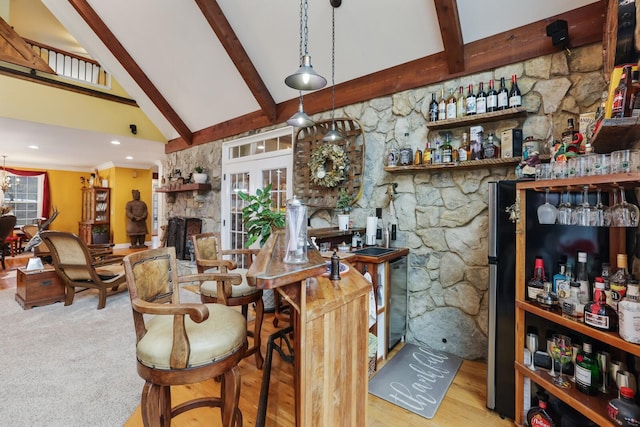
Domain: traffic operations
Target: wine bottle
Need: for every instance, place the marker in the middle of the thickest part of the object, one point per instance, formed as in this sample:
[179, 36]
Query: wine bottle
[515, 97]
[471, 101]
[481, 99]
[451, 105]
[492, 98]
[442, 106]
[461, 103]
[503, 96]
[433, 108]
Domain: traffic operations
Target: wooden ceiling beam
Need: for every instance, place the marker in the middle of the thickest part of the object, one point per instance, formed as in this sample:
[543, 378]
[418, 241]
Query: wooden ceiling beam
[15, 50]
[220, 25]
[586, 26]
[451, 32]
[120, 53]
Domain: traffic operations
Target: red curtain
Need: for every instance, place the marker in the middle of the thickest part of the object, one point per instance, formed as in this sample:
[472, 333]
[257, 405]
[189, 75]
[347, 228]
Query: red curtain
[46, 195]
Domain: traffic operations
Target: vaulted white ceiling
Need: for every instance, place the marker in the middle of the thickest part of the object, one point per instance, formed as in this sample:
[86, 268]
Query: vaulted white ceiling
[174, 45]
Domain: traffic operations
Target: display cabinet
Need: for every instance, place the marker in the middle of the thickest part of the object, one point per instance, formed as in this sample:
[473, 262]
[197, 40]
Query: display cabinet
[95, 226]
[593, 407]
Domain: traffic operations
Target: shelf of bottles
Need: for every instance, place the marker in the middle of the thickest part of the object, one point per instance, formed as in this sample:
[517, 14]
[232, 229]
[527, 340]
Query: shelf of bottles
[593, 407]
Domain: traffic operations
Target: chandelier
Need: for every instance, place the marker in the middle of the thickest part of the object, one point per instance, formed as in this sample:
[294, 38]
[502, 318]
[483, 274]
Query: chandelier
[4, 177]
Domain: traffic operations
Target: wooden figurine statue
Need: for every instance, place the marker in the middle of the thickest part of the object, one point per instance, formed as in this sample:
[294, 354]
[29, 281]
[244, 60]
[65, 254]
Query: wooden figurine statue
[137, 224]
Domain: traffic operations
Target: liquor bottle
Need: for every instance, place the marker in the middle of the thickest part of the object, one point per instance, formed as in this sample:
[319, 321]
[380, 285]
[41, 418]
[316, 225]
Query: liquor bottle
[417, 157]
[547, 299]
[560, 276]
[437, 157]
[541, 416]
[471, 101]
[426, 154]
[622, 106]
[629, 314]
[489, 149]
[535, 285]
[481, 99]
[464, 153]
[461, 103]
[598, 314]
[582, 278]
[503, 96]
[452, 107]
[618, 282]
[515, 97]
[624, 411]
[635, 111]
[442, 106]
[433, 108]
[571, 306]
[587, 371]
[492, 98]
[447, 149]
[570, 133]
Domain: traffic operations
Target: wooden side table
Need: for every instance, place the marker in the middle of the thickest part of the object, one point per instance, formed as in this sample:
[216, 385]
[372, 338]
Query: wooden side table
[40, 287]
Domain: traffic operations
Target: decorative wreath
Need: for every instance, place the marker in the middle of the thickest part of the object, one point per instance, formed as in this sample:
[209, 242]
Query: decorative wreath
[328, 165]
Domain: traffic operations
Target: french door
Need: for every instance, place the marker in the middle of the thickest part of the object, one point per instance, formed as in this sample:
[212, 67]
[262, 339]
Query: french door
[249, 164]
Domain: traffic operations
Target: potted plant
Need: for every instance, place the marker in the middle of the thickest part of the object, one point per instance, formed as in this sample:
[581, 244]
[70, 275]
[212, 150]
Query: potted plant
[343, 206]
[259, 217]
[199, 177]
[100, 234]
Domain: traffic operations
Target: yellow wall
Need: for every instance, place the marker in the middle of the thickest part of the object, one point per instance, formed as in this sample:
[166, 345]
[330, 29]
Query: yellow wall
[66, 196]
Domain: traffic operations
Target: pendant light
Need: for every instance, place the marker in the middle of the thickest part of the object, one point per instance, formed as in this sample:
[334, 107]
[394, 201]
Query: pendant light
[333, 135]
[4, 177]
[305, 78]
[300, 119]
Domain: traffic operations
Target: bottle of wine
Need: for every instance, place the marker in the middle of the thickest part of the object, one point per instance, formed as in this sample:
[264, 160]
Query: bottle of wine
[515, 97]
[452, 108]
[442, 106]
[471, 101]
[492, 98]
[461, 103]
[587, 371]
[503, 96]
[433, 108]
[622, 105]
[598, 314]
[481, 99]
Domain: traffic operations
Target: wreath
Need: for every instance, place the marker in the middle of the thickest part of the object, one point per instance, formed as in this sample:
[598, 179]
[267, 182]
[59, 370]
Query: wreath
[328, 165]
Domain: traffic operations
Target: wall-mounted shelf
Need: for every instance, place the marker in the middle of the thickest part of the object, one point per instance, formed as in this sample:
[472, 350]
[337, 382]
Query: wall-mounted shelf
[478, 119]
[178, 188]
[471, 164]
[616, 134]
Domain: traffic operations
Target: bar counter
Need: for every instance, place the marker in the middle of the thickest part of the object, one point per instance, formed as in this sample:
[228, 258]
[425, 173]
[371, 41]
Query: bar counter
[330, 323]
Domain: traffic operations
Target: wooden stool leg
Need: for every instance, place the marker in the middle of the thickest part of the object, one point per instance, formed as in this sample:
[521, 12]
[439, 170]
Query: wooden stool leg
[257, 330]
[230, 396]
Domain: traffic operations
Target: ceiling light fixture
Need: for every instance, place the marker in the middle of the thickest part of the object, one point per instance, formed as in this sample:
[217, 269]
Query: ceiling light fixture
[333, 135]
[33, 147]
[300, 118]
[306, 77]
[4, 177]
[115, 142]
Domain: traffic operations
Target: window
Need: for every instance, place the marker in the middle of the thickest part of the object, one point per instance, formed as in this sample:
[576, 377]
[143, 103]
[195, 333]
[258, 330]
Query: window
[24, 196]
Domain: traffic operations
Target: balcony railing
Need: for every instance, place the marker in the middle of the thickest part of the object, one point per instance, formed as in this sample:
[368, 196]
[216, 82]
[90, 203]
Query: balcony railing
[72, 66]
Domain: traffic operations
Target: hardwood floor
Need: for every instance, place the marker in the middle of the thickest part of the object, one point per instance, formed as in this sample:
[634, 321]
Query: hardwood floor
[464, 403]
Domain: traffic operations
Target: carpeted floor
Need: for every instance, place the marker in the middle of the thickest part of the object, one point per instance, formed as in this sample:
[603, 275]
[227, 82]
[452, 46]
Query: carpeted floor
[69, 366]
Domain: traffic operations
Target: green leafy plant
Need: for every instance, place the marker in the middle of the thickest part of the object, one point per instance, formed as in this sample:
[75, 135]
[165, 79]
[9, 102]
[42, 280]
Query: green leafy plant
[199, 169]
[344, 201]
[99, 229]
[259, 217]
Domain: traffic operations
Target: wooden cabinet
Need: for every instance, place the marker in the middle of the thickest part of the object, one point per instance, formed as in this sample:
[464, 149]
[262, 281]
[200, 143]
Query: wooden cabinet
[95, 226]
[464, 122]
[37, 288]
[593, 407]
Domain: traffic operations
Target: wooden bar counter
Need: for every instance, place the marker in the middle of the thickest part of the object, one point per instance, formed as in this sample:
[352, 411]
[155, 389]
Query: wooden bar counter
[330, 322]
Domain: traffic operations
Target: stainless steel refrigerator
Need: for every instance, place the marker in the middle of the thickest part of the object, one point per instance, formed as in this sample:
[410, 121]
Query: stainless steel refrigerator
[553, 243]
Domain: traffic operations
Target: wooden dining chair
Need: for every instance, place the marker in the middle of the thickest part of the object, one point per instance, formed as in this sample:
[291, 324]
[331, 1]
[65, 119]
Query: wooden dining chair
[210, 258]
[182, 343]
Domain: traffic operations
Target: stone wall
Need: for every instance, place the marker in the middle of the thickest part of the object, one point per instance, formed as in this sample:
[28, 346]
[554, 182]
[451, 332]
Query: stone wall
[442, 215]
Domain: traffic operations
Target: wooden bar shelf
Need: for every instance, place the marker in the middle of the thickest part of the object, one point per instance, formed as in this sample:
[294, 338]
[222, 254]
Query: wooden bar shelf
[183, 187]
[475, 119]
[616, 134]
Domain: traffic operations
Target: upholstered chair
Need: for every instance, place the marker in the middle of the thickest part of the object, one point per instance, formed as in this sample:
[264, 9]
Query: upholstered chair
[7, 222]
[210, 257]
[182, 343]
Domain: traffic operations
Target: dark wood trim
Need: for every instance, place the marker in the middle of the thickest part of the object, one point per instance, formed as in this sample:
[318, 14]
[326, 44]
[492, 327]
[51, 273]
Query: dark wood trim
[17, 51]
[73, 87]
[111, 42]
[220, 25]
[530, 41]
[451, 32]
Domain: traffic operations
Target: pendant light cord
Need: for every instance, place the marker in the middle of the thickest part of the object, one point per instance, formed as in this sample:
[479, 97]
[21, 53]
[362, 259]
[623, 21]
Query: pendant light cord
[306, 28]
[333, 65]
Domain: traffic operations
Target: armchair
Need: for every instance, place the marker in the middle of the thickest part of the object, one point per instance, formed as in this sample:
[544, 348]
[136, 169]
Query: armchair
[7, 222]
[210, 258]
[183, 343]
[78, 267]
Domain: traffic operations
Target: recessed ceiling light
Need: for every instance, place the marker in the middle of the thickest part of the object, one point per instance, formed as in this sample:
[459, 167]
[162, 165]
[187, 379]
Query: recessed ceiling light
[129, 157]
[114, 142]
[34, 147]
